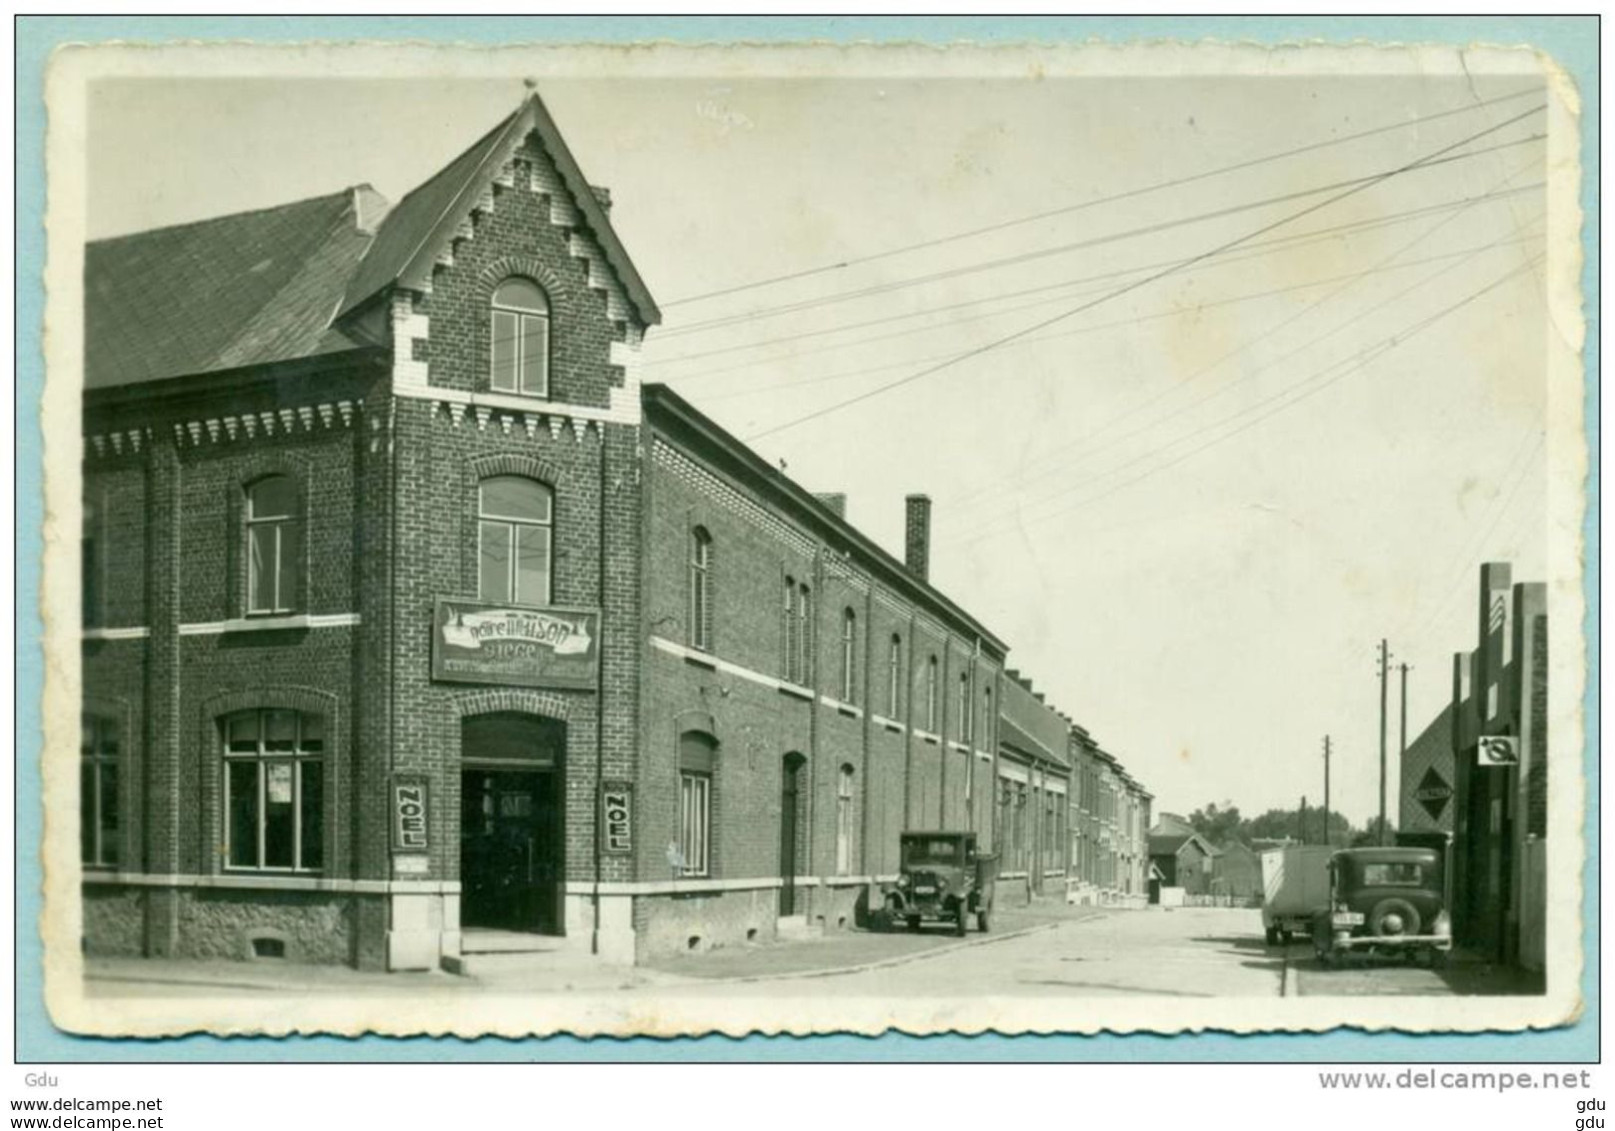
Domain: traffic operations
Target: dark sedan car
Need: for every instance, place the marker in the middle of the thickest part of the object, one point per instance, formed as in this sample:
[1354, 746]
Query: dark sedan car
[1387, 901]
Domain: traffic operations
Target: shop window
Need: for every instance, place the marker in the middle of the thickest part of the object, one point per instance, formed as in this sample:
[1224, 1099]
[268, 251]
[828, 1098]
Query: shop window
[520, 346]
[274, 546]
[844, 843]
[98, 792]
[701, 589]
[514, 540]
[894, 676]
[849, 656]
[274, 787]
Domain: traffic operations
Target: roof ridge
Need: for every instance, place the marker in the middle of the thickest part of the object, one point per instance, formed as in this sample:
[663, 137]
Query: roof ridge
[347, 191]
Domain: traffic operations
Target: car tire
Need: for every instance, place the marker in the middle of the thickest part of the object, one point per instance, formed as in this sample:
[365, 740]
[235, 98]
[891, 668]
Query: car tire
[982, 923]
[1394, 910]
[1272, 936]
[914, 922]
[1284, 937]
[961, 919]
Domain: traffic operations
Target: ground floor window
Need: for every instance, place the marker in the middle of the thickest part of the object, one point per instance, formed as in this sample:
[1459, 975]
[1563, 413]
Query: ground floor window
[844, 821]
[98, 791]
[695, 822]
[274, 788]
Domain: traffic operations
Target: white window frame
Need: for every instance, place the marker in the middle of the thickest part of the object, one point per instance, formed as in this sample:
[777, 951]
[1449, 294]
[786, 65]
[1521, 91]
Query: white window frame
[849, 656]
[279, 603]
[513, 526]
[844, 822]
[695, 822]
[299, 758]
[99, 749]
[520, 316]
[701, 589]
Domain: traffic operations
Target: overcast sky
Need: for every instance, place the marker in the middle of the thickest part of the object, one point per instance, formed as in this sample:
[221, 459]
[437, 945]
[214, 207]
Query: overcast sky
[1194, 503]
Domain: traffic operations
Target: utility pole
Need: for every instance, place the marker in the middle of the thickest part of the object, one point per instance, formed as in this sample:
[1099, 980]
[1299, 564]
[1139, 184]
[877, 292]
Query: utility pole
[1384, 673]
[1402, 759]
[1326, 789]
[1301, 818]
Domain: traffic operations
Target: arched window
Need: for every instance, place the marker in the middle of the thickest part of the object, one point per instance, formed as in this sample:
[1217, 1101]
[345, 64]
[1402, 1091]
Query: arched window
[894, 676]
[930, 695]
[788, 632]
[849, 656]
[98, 791]
[520, 349]
[698, 758]
[984, 725]
[963, 721]
[274, 782]
[701, 589]
[514, 516]
[274, 545]
[844, 820]
[804, 635]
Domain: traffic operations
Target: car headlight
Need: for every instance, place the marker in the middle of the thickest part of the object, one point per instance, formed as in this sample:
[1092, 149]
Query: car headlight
[902, 880]
[1443, 925]
[941, 882]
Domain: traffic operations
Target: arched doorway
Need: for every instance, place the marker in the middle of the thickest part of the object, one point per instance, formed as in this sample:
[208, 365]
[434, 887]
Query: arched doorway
[790, 800]
[512, 823]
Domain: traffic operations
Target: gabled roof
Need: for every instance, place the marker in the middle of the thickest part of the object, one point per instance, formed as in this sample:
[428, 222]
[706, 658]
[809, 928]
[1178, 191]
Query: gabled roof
[1170, 844]
[224, 293]
[414, 232]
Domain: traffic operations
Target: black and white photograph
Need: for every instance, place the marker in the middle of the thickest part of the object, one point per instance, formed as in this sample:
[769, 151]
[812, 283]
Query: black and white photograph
[809, 540]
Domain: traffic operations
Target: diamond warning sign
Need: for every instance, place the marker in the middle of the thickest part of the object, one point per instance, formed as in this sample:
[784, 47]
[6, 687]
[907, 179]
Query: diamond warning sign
[1433, 793]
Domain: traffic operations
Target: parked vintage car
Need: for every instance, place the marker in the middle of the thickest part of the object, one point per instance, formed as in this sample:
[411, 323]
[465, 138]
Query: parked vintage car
[1389, 901]
[942, 876]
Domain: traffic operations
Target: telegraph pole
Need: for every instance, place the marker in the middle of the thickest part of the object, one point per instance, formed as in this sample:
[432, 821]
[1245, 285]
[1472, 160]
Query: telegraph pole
[1384, 673]
[1404, 739]
[1326, 789]
[1301, 818]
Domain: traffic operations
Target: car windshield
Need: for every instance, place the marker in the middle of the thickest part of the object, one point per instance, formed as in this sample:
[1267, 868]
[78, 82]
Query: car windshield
[933, 850]
[1392, 875]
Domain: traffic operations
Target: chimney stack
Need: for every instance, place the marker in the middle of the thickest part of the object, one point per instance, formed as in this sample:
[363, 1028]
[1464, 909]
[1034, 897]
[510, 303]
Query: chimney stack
[834, 500]
[917, 536]
[602, 196]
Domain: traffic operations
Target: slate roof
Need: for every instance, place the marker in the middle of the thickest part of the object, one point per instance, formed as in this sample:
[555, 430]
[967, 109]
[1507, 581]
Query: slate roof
[218, 294]
[1009, 734]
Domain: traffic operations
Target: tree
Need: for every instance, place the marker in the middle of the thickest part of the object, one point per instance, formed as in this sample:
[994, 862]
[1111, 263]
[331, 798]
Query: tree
[1370, 837]
[1217, 824]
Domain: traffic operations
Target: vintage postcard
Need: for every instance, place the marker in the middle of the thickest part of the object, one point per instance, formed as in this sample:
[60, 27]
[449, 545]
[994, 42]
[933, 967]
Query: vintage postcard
[806, 539]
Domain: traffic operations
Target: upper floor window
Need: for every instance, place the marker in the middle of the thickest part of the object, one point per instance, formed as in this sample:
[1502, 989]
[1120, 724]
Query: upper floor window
[98, 791]
[964, 708]
[930, 695]
[894, 676]
[520, 348]
[514, 546]
[701, 589]
[274, 545]
[798, 634]
[274, 790]
[984, 725]
[849, 656]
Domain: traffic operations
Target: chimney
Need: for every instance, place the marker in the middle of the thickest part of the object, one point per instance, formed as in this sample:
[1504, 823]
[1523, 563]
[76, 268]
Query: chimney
[917, 536]
[602, 196]
[834, 500]
[369, 209]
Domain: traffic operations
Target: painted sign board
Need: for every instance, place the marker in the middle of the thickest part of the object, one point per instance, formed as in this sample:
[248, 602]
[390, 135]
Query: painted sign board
[475, 642]
[1434, 793]
[617, 818]
[411, 812]
[1498, 750]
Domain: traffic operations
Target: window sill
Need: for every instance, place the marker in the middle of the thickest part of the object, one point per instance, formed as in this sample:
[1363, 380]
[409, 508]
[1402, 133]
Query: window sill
[796, 690]
[933, 739]
[701, 659]
[265, 622]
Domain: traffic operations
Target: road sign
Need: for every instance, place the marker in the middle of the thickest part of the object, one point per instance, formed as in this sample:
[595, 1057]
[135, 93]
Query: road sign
[1498, 750]
[1433, 793]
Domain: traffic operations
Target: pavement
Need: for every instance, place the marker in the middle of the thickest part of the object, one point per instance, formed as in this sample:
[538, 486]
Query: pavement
[1043, 950]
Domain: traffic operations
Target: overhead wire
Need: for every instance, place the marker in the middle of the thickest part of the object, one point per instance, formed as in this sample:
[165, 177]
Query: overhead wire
[1175, 182]
[1129, 287]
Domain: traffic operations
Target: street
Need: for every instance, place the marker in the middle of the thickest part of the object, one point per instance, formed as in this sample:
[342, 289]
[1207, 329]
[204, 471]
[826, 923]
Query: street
[1186, 953]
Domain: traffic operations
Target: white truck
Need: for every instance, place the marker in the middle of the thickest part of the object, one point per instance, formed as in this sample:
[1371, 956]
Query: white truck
[1295, 886]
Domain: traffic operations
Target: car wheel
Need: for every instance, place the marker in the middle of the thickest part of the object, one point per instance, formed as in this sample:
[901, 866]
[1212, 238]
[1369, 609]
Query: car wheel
[1392, 917]
[913, 922]
[962, 917]
[981, 922]
[1284, 937]
[1272, 936]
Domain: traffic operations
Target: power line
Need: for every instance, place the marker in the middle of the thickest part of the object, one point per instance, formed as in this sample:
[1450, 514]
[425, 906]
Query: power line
[768, 390]
[1085, 452]
[1158, 186]
[1129, 287]
[1019, 258]
[1356, 363]
[1253, 250]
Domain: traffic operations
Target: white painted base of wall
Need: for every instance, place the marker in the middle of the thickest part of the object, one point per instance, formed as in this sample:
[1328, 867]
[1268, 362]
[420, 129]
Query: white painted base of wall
[425, 930]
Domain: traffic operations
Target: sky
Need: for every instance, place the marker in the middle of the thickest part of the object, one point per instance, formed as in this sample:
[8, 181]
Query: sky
[1204, 408]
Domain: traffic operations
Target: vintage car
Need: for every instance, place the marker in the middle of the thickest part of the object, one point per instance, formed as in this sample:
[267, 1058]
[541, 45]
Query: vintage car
[1388, 901]
[942, 876]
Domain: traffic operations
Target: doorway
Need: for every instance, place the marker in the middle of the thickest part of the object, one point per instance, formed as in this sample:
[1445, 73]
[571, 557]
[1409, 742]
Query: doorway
[789, 800]
[510, 850]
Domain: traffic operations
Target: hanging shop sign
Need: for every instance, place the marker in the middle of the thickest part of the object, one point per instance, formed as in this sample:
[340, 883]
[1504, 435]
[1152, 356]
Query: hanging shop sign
[411, 812]
[617, 818]
[1498, 750]
[1434, 792]
[557, 647]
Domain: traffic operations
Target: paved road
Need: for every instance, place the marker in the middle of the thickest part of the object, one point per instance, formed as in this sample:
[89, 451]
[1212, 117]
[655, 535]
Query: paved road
[1189, 952]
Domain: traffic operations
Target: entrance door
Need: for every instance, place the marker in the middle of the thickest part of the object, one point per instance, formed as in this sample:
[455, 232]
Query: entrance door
[510, 850]
[790, 793]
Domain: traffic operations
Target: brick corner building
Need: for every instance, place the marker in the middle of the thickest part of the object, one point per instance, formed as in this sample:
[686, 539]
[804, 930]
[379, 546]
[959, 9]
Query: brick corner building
[415, 622]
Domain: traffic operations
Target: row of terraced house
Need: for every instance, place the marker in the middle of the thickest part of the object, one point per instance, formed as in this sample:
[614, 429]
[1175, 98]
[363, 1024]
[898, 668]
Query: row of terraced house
[414, 621]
